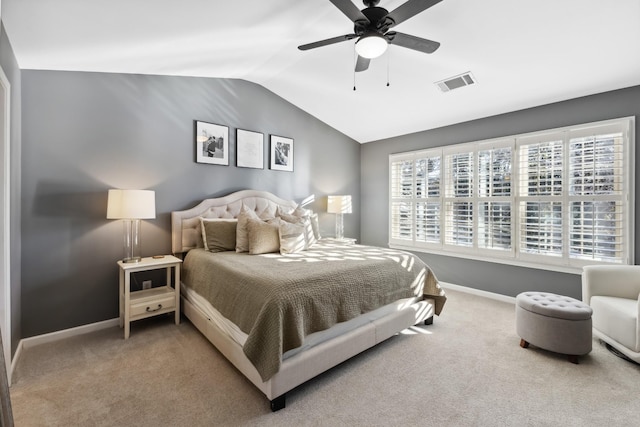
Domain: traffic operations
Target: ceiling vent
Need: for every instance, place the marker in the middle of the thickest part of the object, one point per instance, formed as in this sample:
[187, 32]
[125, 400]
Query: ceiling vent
[456, 82]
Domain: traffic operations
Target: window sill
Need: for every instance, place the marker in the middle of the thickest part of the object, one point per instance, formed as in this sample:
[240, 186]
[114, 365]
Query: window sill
[507, 261]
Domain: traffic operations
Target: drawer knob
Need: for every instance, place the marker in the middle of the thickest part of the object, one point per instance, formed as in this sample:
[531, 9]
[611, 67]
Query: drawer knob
[151, 310]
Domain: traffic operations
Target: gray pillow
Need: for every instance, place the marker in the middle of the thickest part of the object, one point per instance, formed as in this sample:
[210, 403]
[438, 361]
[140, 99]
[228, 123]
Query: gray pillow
[219, 234]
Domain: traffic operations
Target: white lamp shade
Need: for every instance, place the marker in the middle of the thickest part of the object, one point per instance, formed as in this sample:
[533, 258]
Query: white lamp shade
[339, 204]
[131, 204]
[371, 46]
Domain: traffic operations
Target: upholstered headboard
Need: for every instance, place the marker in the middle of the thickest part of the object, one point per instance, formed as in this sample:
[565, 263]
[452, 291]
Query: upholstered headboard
[185, 225]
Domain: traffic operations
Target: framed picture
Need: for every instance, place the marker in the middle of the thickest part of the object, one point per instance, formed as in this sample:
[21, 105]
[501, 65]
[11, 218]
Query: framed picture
[212, 144]
[281, 153]
[249, 149]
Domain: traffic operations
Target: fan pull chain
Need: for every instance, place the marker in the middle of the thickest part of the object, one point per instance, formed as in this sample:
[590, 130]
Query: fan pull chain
[388, 61]
[354, 67]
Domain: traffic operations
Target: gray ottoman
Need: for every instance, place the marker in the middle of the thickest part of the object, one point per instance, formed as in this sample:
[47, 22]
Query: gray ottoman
[554, 322]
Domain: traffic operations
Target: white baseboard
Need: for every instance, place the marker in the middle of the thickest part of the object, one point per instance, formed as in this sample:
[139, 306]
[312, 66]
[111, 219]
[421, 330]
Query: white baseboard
[58, 335]
[66, 333]
[490, 295]
[14, 363]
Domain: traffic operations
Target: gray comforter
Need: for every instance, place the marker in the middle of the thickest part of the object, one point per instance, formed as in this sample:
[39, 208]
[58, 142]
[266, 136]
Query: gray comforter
[277, 300]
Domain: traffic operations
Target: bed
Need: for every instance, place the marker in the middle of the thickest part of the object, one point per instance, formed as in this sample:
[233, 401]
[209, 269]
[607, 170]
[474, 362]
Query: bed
[282, 319]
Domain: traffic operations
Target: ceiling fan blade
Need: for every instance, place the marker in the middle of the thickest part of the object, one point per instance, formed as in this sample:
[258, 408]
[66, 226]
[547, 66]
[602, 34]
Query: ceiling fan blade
[412, 42]
[350, 9]
[327, 42]
[362, 64]
[410, 9]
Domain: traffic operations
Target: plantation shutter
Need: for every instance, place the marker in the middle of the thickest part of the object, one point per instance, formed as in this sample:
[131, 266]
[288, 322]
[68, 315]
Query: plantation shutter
[459, 203]
[495, 197]
[402, 190]
[540, 207]
[596, 188]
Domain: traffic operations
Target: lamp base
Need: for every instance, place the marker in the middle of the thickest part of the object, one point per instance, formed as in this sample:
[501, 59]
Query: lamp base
[339, 227]
[132, 252]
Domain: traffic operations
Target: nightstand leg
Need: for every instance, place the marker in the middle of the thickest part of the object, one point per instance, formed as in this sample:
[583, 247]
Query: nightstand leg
[177, 288]
[127, 303]
[121, 298]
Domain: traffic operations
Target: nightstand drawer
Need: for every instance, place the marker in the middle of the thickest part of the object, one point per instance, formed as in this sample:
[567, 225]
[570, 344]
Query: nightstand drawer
[152, 301]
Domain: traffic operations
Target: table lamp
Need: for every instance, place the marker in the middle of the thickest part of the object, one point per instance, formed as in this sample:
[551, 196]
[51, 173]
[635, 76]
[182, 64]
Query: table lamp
[131, 206]
[339, 205]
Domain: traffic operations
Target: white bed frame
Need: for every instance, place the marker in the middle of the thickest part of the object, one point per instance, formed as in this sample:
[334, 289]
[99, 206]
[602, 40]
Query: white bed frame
[307, 364]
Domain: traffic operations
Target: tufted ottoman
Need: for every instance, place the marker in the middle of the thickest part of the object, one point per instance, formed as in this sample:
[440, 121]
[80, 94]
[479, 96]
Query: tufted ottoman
[554, 322]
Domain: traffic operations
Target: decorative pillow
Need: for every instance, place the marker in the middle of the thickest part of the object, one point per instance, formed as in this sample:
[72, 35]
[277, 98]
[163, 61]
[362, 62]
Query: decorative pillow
[292, 237]
[242, 239]
[298, 211]
[219, 234]
[301, 212]
[315, 226]
[293, 219]
[305, 222]
[303, 217]
[312, 229]
[263, 237]
[282, 211]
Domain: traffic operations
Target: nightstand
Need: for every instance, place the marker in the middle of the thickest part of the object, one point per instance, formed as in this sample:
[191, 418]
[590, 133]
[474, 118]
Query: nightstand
[334, 241]
[149, 302]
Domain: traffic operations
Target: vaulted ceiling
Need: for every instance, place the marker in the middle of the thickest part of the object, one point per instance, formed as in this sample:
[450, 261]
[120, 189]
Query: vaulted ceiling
[522, 53]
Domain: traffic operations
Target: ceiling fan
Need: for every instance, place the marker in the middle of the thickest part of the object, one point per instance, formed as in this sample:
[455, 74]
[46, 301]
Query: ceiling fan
[372, 25]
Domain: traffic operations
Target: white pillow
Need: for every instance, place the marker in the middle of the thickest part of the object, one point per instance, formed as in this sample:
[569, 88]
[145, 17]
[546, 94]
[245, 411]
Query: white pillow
[315, 226]
[302, 216]
[292, 237]
[283, 211]
[301, 212]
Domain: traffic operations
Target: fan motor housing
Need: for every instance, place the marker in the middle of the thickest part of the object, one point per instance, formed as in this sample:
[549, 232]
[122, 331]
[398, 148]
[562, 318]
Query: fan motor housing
[377, 21]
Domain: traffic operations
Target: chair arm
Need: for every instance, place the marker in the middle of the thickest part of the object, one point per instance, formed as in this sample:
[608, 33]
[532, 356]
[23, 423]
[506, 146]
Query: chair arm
[621, 281]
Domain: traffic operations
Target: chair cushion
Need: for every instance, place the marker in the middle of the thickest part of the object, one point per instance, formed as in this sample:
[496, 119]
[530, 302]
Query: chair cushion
[552, 305]
[618, 319]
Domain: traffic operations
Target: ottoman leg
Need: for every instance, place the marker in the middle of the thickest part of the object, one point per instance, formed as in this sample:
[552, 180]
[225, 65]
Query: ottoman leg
[525, 344]
[573, 358]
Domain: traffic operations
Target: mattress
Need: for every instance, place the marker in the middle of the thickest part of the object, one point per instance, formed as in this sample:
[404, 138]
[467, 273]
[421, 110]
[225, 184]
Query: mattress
[235, 333]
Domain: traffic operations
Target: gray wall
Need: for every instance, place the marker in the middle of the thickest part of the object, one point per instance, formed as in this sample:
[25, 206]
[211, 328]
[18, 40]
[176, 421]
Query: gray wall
[12, 71]
[84, 133]
[492, 277]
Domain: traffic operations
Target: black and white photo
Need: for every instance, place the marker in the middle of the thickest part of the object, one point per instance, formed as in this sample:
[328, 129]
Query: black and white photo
[281, 153]
[212, 143]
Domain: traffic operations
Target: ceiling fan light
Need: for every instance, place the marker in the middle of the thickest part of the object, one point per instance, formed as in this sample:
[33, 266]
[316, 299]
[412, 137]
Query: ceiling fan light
[371, 46]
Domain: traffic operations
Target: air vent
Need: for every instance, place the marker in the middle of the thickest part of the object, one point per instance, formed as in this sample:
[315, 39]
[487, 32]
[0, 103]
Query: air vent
[455, 82]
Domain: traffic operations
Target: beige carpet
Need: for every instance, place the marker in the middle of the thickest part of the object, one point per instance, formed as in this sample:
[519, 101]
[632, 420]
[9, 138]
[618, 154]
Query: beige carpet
[466, 369]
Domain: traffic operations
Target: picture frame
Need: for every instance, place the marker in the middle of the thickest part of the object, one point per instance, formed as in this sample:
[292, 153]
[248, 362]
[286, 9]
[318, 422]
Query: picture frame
[249, 149]
[281, 153]
[212, 143]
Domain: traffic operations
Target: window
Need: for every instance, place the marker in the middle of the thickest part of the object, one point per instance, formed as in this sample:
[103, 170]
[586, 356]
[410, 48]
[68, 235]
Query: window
[496, 201]
[557, 199]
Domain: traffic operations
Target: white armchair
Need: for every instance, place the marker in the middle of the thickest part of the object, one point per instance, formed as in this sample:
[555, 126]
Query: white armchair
[613, 292]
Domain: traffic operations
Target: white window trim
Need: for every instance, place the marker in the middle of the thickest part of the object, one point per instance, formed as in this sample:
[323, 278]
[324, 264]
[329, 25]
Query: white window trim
[515, 256]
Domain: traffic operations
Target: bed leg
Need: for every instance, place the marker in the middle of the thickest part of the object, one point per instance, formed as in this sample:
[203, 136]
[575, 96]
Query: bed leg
[428, 321]
[279, 403]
